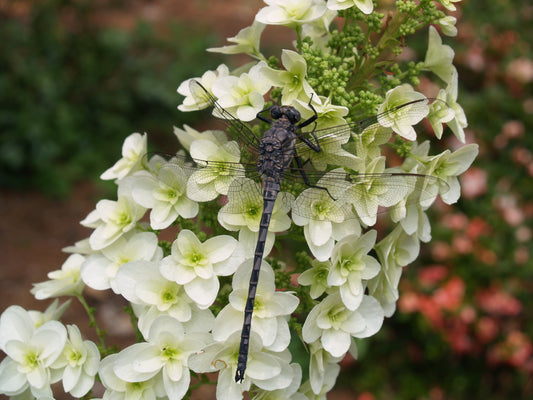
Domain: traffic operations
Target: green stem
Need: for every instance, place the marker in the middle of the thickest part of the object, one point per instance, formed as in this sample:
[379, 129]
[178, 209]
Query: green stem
[298, 30]
[92, 322]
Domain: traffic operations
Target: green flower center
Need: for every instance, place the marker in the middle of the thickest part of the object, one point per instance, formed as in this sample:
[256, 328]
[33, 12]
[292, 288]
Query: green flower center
[32, 360]
[169, 353]
[170, 295]
[336, 316]
[74, 357]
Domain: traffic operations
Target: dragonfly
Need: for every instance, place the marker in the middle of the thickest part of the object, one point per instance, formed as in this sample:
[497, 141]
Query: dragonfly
[282, 160]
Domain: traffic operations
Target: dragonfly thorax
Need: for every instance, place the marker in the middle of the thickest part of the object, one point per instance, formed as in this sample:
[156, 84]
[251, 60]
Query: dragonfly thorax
[271, 159]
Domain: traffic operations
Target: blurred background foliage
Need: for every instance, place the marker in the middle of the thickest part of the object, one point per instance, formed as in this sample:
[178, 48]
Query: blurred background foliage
[70, 91]
[464, 329]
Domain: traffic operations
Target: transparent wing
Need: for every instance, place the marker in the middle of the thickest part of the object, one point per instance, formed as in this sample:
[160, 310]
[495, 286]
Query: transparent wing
[236, 128]
[362, 196]
[340, 134]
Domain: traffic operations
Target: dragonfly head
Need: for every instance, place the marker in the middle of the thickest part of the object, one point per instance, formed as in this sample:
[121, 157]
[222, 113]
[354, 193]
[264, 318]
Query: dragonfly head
[289, 112]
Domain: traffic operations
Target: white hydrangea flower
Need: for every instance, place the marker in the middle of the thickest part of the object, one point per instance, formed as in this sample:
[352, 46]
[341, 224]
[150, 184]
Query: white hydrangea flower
[439, 57]
[166, 351]
[413, 219]
[99, 270]
[448, 166]
[288, 393]
[63, 282]
[324, 219]
[310, 389]
[318, 30]
[329, 114]
[448, 4]
[133, 150]
[352, 267]
[439, 113]
[81, 247]
[209, 182]
[321, 366]
[243, 213]
[290, 13]
[141, 283]
[79, 363]
[112, 219]
[395, 251]
[402, 119]
[187, 135]
[426, 190]
[164, 194]
[246, 41]
[367, 195]
[265, 369]
[271, 309]
[331, 152]
[53, 312]
[119, 389]
[459, 122]
[366, 6]
[31, 353]
[447, 24]
[242, 96]
[335, 324]
[194, 103]
[196, 265]
[292, 81]
[316, 277]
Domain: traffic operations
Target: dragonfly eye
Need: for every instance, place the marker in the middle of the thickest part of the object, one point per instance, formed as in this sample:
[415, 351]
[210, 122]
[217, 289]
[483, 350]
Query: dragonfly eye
[292, 114]
[275, 112]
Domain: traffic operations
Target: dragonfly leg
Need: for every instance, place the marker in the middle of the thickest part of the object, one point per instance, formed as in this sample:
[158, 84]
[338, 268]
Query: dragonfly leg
[311, 119]
[313, 146]
[261, 117]
[306, 179]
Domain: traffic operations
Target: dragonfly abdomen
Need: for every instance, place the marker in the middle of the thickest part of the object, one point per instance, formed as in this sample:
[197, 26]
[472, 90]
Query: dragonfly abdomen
[270, 193]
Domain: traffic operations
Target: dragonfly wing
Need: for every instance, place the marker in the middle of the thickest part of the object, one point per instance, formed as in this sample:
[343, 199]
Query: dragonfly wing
[207, 180]
[380, 125]
[338, 195]
[236, 128]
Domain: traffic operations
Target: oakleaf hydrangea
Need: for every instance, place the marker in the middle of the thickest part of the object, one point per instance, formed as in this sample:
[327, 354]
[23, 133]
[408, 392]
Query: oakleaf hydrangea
[179, 239]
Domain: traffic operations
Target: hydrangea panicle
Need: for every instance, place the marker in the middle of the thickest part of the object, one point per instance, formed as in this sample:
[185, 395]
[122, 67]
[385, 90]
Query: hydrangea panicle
[350, 109]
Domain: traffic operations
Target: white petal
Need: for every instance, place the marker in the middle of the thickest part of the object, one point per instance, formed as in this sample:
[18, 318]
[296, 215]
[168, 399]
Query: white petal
[262, 366]
[319, 232]
[219, 248]
[94, 272]
[70, 377]
[15, 324]
[137, 363]
[351, 299]
[12, 382]
[176, 389]
[227, 322]
[203, 291]
[336, 342]
[373, 314]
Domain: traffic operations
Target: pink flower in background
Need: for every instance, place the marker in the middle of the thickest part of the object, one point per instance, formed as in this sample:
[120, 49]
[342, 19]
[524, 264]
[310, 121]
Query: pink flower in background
[498, 302]
[432, 275]
[487, 329]
[450, 296]
[474, 183]
[516, 350]
[521, 70]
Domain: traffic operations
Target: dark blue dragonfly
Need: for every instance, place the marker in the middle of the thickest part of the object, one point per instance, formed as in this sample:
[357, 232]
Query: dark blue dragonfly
[283, 159]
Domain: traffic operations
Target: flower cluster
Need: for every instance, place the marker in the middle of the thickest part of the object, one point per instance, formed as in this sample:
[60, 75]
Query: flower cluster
[189, 311]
